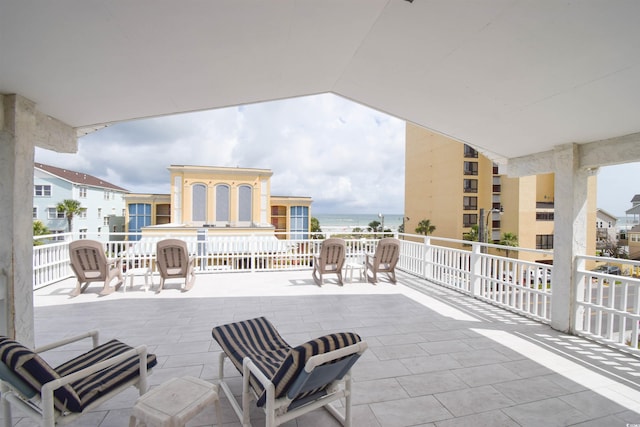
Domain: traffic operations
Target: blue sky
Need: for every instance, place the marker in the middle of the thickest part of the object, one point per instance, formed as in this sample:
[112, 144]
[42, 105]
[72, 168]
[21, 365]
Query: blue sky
[347, 157]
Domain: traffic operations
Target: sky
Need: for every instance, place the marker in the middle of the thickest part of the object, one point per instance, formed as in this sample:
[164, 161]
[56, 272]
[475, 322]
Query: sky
[347, 157]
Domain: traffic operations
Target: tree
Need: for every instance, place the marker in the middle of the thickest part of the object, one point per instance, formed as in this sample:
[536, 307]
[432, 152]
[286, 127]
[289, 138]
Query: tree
[315, 228]
[509, 240]
[39, 229]
[425, 227]
[472, 235]
[374, 226]
[70, 208]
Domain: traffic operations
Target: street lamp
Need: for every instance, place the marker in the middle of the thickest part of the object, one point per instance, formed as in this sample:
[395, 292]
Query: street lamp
[382, 227]
[483, 227]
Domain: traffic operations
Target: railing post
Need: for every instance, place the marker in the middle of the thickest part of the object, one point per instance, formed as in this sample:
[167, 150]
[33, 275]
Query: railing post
[578, 321]
[475, 275]
[427, 262]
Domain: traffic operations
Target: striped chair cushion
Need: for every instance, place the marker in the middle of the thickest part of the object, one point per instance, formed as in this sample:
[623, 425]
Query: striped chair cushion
[94, 386]
[32, 369]
[259, 340]
[256, 338]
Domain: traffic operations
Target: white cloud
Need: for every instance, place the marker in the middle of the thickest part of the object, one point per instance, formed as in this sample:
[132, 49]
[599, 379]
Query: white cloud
[347, 157]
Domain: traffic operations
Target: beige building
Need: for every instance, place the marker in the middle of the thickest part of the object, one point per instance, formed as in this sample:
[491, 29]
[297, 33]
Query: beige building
[449, 183]
[221, 200]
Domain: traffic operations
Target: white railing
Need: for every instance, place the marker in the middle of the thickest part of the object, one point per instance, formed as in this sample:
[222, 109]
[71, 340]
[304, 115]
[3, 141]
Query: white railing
[608, 305]
[518, 285]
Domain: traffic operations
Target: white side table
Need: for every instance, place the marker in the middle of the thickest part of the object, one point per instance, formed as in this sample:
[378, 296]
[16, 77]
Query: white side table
[175, 402]
[353, 265]
[132, 272]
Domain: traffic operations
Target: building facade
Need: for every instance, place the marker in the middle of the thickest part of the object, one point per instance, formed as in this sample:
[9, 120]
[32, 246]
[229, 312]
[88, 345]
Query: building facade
[102, 203]
[221, 200]
[459, 190]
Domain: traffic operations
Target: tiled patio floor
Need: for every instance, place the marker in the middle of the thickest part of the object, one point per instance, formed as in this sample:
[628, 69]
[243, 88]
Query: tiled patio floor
[436, 357]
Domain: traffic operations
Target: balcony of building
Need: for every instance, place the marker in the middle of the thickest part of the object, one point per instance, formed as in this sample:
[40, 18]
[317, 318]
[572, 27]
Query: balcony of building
[461, 339]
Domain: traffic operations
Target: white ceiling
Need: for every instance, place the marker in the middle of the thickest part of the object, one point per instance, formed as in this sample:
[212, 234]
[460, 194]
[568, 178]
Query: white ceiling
[510, 77]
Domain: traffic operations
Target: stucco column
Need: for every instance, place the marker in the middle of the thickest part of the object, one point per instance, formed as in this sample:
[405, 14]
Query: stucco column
[17, 141]
[570, 234]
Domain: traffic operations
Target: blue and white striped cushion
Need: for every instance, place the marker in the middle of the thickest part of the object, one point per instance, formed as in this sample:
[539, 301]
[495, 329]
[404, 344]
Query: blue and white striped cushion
[31, 368]
[259, 340]
[102, 382]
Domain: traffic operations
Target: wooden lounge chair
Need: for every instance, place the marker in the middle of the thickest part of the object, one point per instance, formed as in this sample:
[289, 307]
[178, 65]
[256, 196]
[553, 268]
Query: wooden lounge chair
[60, 395]
[174, 262]
[90, 264]
[330, 260]
[384, 260]
[287, 381]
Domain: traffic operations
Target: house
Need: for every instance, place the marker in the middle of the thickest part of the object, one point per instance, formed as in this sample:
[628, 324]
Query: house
[102, 203]
[220, 200]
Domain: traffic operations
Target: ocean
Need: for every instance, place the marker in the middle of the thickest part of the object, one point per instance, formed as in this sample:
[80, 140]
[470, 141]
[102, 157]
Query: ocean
[347, 222]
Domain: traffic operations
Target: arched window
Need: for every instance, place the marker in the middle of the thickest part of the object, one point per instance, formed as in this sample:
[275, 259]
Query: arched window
[244, 203]
[222, 203]
[199, 203]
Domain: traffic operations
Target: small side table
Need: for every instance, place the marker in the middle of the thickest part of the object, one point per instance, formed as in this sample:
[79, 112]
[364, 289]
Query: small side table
[353, 265]
[175, 402]
[131, 273]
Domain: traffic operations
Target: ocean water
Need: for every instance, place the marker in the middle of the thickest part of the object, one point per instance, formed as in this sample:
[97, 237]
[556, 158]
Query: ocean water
[347, 222]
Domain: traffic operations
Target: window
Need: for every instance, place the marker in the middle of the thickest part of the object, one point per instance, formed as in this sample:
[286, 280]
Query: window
[83, 233]
[35, 213]
[544, 216]
[99, 212]
[42, 191]
[470, 152]
[82, 192]
[107, 194]
[470, 203]
[470, 185]
[199, 203]
[83, 213]
[222, 203]
[469, 220]
[544, 241]
[52, 213]
[105, 221]
[299, 222]
[471, 168]
[244, 203]
[139, 216]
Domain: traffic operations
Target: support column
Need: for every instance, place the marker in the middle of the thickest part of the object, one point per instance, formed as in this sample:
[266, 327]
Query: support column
[22, 127]
[570, 234]
[16, 202]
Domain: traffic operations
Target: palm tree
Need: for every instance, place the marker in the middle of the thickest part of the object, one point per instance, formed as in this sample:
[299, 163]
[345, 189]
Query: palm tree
[425, 227]
[70, 208]
[472, 235]
[508, 240]
[39, 229]
[315, 228]
[374, 226]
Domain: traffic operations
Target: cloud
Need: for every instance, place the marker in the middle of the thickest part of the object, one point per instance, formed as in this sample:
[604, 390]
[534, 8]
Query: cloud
[347, 157]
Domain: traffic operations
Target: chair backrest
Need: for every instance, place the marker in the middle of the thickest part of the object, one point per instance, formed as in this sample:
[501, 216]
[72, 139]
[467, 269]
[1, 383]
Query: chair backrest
[388, 252]
[88, 260]
[172, 257]
[33, 371]
[332, 253]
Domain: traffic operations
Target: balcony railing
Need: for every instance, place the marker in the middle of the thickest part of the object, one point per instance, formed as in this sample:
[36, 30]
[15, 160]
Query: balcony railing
[607, 306]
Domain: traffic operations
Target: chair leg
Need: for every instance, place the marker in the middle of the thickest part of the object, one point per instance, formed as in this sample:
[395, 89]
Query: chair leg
[77, 291]
[6, 406]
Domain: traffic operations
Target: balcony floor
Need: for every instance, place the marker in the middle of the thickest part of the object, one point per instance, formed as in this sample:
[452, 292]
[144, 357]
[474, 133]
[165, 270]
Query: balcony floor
[435, 358]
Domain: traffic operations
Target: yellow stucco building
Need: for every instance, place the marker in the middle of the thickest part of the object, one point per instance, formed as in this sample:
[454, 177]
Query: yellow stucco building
[449, 183]
[222, 200]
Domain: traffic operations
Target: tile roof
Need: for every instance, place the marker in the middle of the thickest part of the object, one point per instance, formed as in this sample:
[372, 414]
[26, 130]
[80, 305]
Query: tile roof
[78, 177]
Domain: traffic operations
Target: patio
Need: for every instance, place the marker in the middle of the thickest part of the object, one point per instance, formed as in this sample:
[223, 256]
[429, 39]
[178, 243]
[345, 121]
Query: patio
[436, 357]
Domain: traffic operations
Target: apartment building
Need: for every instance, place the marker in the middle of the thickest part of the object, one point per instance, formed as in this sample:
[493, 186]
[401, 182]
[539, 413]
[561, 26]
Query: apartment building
[220, 200]
[452, 185]
[102, 203]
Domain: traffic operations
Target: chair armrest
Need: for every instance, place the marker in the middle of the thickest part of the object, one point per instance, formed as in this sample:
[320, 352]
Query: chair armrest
[47, 390]
[93, 334]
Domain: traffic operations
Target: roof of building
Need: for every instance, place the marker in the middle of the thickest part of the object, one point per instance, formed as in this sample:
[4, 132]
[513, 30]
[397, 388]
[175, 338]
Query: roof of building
[78, 177]
[634, 210]
[636, 199]
[605, 213]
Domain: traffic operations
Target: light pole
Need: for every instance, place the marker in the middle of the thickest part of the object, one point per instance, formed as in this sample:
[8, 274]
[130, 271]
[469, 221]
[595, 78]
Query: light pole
[382, 226]
[483, 227]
